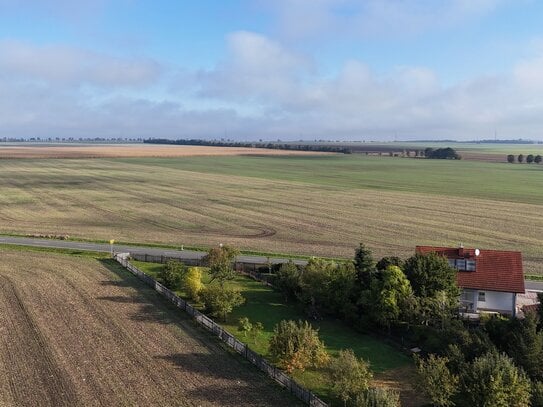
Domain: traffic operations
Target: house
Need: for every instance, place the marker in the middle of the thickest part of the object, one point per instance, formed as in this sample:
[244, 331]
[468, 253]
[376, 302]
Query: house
[490, 280]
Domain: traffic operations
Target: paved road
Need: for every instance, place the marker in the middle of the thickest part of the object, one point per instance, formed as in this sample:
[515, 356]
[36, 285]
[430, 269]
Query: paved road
[153, 251]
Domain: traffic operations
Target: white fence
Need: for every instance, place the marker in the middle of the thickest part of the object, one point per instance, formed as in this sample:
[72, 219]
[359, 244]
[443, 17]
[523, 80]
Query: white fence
[240, 347]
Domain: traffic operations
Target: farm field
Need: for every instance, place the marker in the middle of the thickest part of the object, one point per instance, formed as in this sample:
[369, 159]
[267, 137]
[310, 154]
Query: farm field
[318, 205]
[79, 331]
[31, 150]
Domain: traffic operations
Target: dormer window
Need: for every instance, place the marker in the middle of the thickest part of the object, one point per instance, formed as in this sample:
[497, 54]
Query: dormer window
[462, 264]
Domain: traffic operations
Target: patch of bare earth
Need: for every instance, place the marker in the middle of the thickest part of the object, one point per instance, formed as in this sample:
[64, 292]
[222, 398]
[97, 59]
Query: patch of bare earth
[74, 332]
[135, 150]
[401, 379]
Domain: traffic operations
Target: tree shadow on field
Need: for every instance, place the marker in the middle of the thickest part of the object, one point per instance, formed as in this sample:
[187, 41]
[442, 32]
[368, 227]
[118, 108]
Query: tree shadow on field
[152, 306]
[240, 382]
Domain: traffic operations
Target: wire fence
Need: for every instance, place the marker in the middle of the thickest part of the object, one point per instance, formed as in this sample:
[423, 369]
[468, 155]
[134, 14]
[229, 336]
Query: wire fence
[241, 348]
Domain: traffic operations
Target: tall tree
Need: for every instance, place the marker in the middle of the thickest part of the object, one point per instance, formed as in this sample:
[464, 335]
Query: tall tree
[364, 266]
[287, 280]
[220, 261]
[430, 273]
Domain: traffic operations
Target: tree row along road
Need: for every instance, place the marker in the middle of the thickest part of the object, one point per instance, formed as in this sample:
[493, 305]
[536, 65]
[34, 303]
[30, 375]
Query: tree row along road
[154, 251]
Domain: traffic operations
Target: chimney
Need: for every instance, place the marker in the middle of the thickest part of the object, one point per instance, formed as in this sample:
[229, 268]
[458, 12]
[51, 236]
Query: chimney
[461, 250]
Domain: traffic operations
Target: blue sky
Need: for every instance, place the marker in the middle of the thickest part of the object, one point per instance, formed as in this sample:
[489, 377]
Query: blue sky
[289, 69]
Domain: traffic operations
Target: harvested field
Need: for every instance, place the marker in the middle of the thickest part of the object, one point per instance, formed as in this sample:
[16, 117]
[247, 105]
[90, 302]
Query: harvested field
[74, 331]
[133, 150]
[299, 205]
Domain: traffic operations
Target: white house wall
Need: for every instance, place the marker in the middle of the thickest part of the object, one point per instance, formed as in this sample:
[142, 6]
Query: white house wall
[496, 301]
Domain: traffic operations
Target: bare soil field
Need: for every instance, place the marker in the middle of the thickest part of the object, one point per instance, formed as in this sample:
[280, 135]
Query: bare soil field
[133, 150]
[79, 332]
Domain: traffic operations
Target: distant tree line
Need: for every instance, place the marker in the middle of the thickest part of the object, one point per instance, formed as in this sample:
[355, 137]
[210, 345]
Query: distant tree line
[273, 146]
[447, 153]
[530, 158]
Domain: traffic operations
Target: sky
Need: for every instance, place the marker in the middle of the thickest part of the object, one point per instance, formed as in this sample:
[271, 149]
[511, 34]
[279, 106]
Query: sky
[272, 69]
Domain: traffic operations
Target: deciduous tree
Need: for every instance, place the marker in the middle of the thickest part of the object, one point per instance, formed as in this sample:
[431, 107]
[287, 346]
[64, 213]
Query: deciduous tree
[192, 283]
[349, 375]
[172, 274]
[219, 301]
[220, 262]
[435, 380]
[296, 345]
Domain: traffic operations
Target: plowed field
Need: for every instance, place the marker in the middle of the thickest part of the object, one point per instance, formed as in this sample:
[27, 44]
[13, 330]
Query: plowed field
[77, 332]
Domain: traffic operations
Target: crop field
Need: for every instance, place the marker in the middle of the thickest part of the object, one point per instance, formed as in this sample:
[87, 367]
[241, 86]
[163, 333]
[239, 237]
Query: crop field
[130, 150]
[314, 205]
[77, 331]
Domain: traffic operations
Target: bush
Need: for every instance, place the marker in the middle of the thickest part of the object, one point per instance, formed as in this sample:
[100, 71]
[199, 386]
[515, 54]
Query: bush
[349, 375]
[494, 380]
[192, 283]
[296, 345]
[378, 397]
[172, 274]
[510, 158]
[436, 381]
[530, 158]
[220, 301]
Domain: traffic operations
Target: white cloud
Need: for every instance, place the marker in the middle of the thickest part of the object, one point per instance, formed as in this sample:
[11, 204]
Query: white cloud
[311, 18]
[73, 66]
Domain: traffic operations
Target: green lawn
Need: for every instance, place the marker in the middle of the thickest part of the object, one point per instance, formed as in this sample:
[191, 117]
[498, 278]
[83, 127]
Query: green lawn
[267, 306]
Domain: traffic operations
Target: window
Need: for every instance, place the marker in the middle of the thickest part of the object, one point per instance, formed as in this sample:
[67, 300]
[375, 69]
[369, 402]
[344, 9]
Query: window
[452, 263]
[461, 264]
[470, 265]
[482, 296]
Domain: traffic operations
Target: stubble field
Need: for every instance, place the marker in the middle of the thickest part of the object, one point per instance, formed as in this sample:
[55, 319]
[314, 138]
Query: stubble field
[319, 205]
[74, 331]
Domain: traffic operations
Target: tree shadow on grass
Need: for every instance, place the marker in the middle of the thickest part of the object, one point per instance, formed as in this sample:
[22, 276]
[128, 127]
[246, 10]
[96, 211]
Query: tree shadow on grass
[241, 382]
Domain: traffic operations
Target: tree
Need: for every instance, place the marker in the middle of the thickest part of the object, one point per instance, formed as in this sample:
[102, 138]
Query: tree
[220, 262]
[349, 375]
[287, 280]
[256, 330]
[364, 266]
[389, 296]
[389, 261]
[494, 380]
[192, 283]
[530, 158]
[435, 380]
[537, 159]
[219, 301]
[537, 394]
[296, 345]
[430, 273]
[378, 397]
[172, 274]
[520, 158]
[510, 158]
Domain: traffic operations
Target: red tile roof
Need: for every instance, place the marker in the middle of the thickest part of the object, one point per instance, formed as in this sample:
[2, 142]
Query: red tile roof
[494, 270]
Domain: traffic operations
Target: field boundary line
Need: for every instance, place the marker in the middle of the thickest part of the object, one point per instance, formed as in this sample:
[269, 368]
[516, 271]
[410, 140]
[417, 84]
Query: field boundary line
[241, 348]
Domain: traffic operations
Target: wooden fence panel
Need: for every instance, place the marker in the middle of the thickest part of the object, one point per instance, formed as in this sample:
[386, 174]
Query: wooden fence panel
[277, 375]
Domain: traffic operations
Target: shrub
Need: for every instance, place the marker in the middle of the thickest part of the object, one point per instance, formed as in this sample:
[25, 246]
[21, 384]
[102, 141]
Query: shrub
[172, 274]
[296, 345]
[220, 301]
[530, 158]
[510, 158]
[192, 283]
[436, 381]
[349, 375]
[378, 397]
